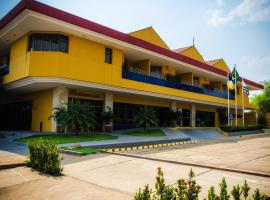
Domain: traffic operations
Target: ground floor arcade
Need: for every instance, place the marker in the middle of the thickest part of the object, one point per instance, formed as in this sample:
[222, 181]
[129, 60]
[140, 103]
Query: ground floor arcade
[31, 111]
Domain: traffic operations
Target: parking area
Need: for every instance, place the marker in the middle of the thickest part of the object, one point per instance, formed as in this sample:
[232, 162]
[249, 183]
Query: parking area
[249, 153]
[111, 176]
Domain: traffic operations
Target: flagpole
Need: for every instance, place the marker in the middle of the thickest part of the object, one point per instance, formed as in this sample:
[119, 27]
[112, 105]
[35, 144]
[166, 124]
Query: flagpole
[243, 107]
[235, 96]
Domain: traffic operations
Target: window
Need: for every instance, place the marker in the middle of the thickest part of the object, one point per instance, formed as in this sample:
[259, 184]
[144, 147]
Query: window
[108, 55]
[48, 42]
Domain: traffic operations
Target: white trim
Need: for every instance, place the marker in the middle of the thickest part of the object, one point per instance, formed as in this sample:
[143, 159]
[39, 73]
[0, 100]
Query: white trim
[55, 81]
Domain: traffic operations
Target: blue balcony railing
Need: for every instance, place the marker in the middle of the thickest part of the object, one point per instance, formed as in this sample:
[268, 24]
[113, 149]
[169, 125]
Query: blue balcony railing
[4, 69]
[170, 84]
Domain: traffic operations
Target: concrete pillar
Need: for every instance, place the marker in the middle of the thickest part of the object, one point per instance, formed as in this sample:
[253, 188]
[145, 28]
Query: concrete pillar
[193, 115]
[108, 102]
[60, 98]
[173, 106]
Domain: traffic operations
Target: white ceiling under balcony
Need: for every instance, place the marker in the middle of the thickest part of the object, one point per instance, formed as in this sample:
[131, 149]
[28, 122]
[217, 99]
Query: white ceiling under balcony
[28, 21]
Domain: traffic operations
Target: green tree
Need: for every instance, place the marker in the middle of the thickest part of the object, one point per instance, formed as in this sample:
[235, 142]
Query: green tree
[75, 115]
[145, 117]
[263, 99]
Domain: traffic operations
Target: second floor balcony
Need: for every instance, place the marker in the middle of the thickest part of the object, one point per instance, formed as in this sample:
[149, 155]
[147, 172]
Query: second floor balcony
[137, 74]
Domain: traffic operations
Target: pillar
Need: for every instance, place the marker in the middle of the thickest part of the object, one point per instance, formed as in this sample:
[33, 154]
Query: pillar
[173, 106]
[108, 102]
[60, 98]
[193, 115]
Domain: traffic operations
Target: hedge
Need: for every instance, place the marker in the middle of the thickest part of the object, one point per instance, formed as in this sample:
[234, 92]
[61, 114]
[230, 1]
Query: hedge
[240, 128]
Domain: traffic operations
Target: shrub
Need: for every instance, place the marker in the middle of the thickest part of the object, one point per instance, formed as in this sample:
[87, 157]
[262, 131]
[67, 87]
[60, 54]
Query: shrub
[240, 128]
[211, 194]
[145, 117]
[44, 156]
[223, 190]
[188, 189]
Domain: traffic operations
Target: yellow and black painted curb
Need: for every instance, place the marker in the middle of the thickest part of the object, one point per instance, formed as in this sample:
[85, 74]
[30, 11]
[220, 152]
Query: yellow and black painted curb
[135, 148]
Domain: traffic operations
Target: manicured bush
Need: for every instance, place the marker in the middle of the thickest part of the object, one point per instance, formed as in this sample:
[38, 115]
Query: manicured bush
[44, 156]
[240, 128]
[188, 189]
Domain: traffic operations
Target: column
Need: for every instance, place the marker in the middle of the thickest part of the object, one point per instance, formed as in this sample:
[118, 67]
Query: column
[108, 102]
[193, 115]
[173, 106]
[60, 98]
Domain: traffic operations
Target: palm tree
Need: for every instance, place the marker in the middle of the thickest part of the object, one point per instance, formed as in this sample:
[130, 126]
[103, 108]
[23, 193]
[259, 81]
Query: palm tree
[76, 115]
[146, 117]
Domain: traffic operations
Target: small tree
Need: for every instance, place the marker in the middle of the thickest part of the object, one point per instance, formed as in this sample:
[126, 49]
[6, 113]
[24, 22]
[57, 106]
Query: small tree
[76, 115]
[236, 192]
[223, 190]
[145, 117]
[211, 194]
[245, 189]
[143, 194]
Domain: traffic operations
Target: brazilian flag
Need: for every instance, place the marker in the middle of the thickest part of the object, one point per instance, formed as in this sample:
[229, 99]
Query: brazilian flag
[235, 76]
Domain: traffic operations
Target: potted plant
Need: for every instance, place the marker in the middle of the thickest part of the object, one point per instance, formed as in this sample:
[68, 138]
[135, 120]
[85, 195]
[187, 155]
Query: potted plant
[107, 120]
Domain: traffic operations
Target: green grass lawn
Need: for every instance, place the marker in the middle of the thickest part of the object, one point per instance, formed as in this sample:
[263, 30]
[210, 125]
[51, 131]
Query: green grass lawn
[146, 133]
[68, 138]
[83, 150]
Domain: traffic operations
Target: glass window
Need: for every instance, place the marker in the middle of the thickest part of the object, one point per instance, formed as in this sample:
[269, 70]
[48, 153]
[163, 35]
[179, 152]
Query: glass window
[108, 55]
[48, 42]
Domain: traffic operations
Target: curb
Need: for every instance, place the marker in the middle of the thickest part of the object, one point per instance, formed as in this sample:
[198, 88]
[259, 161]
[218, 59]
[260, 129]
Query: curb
[152, 146]
[196, 165]
[10, 166]
[75, 153]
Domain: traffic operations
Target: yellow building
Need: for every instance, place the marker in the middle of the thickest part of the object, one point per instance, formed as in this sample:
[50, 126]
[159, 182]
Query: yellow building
[49, 57]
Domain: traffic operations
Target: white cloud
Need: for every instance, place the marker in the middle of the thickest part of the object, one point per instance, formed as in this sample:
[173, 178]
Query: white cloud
[255, 68]
[246, 11]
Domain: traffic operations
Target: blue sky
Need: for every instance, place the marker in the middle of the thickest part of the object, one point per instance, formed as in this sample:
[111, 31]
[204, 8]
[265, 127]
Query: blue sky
[236, 30]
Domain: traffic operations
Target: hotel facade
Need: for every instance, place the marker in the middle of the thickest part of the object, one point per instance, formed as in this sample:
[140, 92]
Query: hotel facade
[49, 57]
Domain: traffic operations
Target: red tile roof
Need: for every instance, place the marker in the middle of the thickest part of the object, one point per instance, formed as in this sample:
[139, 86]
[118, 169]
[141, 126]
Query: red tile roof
[81, 22]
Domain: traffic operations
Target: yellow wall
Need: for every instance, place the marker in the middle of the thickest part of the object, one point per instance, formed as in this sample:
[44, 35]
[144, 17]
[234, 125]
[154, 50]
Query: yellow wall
[85, 62]
[188, 77]
[168, 70]
[222, 65]
[141, 101]
[193, 53]
[217, 85]
[143, 64]
[18, 61]
[42, 110]
[150, 35]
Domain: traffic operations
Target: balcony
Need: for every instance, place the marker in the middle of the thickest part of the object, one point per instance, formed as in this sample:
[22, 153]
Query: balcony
[133, 74]
[4, 69]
